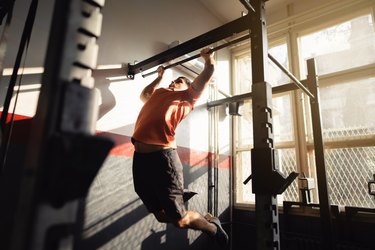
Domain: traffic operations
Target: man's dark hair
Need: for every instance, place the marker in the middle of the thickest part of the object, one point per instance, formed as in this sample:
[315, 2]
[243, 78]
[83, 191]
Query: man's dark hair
[187, 80]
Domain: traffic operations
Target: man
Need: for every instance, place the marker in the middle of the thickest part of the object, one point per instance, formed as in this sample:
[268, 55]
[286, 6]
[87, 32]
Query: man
[157, 170]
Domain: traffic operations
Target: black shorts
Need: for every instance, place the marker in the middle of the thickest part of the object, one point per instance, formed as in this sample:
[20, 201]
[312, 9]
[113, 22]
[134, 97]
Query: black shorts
[158, 181]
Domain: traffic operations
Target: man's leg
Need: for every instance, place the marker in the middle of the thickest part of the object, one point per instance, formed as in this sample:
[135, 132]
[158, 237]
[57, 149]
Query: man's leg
[191, 220]
[162, 217]
[208, 224]
[172, 200]
[194, 220]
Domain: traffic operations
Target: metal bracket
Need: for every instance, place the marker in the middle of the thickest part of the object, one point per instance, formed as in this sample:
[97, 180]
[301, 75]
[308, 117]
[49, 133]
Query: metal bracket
[266, 180]
[306, 185]
[234, 108]
[371, 187]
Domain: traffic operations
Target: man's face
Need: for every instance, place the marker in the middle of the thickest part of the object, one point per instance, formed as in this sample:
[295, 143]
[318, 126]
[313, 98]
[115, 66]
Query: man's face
[178, 84]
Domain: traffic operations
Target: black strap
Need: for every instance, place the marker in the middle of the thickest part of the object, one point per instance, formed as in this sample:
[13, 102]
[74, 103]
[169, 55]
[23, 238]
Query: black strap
[6, 9]
[24, 43]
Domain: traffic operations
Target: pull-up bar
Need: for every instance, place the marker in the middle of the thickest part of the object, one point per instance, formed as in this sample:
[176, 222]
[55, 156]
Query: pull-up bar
[243, 97]
[243, 38]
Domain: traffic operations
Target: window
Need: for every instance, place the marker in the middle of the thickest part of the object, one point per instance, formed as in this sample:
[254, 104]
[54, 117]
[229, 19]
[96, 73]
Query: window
[347, 98]
[348, 108]
[282, 120]
[340, 47]
[345, 59]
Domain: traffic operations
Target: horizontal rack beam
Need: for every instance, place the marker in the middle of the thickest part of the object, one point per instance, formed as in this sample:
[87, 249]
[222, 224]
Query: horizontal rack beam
[237, 98]
[229, 29]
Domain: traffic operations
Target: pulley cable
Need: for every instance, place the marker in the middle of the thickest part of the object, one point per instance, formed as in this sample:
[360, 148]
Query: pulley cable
[6, 9]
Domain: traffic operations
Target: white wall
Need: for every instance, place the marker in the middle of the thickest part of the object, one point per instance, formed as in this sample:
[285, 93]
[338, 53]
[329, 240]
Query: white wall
[138, 29]
[132, 30]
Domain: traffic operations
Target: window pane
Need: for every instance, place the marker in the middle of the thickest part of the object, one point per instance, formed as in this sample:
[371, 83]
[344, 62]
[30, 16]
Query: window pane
[348, 173]
[245, 125]
[287, 164]
[332, 47]
[282, 121]
[244, 77]
[282, 118]
[243, 170]
[348, 109]
[276, 76]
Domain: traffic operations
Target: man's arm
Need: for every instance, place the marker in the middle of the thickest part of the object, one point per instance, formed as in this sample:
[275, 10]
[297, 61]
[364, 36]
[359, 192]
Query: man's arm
[150, 89]
[201, 81]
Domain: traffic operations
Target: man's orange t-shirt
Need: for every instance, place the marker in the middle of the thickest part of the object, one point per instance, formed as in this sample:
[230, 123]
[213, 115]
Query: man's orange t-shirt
[160, 115]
